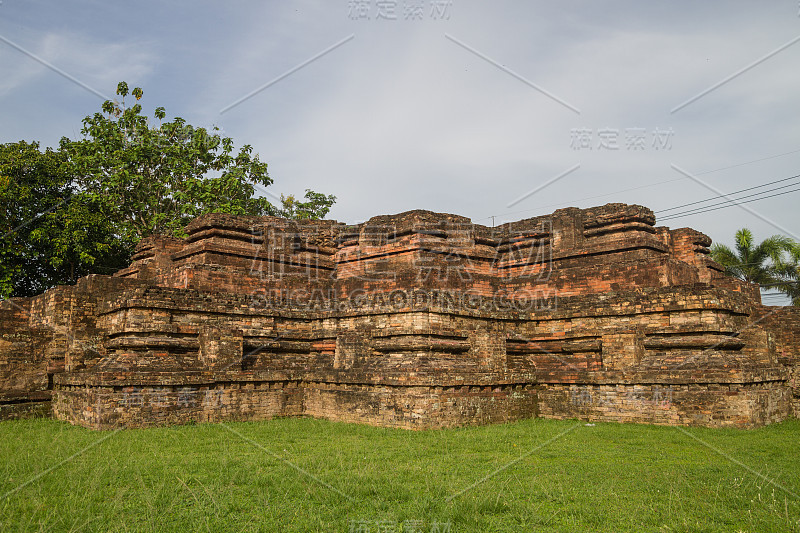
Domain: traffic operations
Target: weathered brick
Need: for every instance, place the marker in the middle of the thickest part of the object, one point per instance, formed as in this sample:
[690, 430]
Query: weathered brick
[414, 320]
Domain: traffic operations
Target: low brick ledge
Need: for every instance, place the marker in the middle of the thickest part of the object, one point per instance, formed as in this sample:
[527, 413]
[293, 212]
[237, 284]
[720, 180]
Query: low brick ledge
[681, 298]
[425, 379]
[200, 378]
[10, 397]
[694, 376]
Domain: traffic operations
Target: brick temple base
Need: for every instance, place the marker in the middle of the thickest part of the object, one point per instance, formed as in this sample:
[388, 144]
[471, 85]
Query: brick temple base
[417, 320]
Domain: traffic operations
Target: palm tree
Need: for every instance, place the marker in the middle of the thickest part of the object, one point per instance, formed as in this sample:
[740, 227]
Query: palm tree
[789, 272]
[763, 264]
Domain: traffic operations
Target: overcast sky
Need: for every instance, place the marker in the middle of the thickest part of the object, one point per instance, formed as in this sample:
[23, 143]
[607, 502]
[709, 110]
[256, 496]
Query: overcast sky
[504, 109]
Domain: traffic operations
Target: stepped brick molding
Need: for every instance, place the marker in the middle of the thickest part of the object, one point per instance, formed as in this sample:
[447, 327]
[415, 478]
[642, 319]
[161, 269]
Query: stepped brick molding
[415, 320]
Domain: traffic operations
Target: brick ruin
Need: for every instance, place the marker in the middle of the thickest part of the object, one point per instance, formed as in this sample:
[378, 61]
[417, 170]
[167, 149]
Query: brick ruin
[415, 320]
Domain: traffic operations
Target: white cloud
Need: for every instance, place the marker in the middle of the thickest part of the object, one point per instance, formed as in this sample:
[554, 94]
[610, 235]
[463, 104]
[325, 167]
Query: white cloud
[401, 117]
[97, 64]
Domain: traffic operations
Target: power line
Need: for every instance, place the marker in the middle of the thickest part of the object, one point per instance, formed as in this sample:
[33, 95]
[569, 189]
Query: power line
[749, 162]
[730, 204]
[735, 192]
[733, 201]
[645, 186]
[744, 264]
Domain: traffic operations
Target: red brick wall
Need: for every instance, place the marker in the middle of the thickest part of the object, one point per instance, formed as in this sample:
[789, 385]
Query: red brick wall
[413, 320]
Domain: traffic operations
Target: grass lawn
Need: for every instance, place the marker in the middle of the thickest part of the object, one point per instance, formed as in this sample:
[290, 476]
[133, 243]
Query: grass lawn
[314, 475]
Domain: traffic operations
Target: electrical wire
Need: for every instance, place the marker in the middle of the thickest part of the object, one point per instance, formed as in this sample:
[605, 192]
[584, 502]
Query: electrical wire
[737, 192]
[737, 200]
[731, 203]
[643, 186]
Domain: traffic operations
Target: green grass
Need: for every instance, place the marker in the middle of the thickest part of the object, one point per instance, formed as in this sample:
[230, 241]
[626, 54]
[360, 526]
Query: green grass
[314, 475]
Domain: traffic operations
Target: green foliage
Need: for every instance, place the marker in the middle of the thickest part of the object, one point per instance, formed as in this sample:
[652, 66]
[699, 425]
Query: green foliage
[315, 207]
[49, 235]
[154, 178]
[773, 263]
[83, 208]
[31, 183]
[789, 273]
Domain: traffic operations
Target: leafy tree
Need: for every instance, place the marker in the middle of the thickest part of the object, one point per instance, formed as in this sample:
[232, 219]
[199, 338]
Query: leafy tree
[83, 208]
[315, 207]
[32, 183]
[155, 178]
[49, 235]
[82, 240]
[789, 272]
[771, 263]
